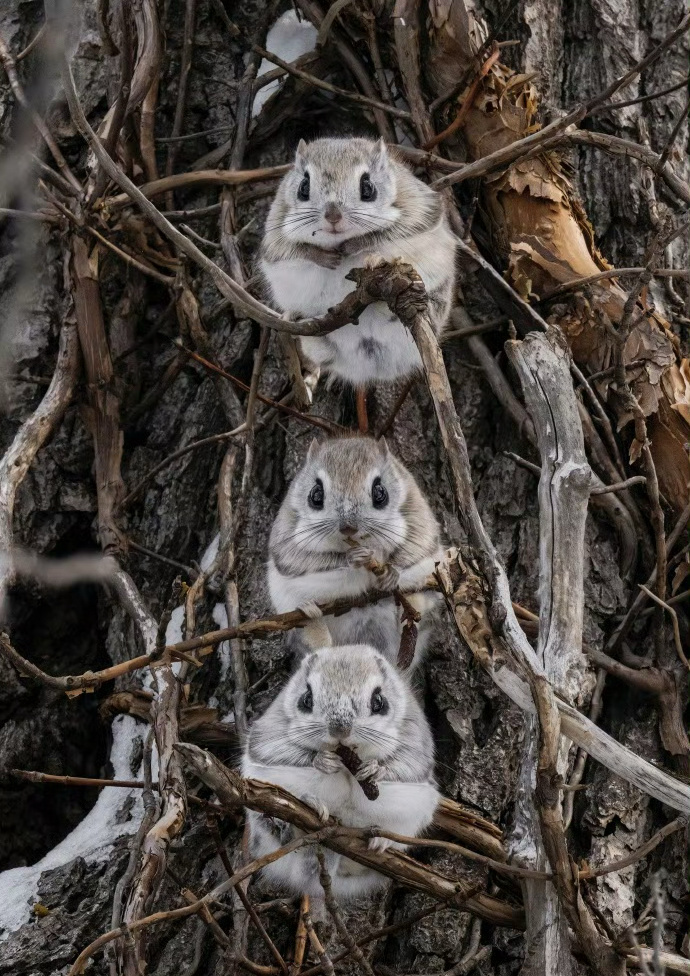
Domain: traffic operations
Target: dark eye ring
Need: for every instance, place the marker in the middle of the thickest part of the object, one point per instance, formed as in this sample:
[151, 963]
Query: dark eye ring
[379, 495]
[306, 702]
[303, 189]
[316, 495]
[367, 190]
[379, 705]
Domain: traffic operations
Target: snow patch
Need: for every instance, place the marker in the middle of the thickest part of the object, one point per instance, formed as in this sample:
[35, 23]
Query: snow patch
[210, 554]
[289, 38]
[173, 633]
[91, 839]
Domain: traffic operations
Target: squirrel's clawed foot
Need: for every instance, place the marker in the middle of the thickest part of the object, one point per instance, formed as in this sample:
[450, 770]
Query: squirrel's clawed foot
[389, 578]
[379, 843]
[371, 769]
[310, 609]
[317, 804]
[328, 259]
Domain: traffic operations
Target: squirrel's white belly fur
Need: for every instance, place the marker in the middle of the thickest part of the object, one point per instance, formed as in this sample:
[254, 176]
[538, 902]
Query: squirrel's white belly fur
[379, 624]
[403, 808]
[378, 347]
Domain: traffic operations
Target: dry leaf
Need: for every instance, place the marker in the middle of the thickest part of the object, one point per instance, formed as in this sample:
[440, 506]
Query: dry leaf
[635, 450]
[681, 574]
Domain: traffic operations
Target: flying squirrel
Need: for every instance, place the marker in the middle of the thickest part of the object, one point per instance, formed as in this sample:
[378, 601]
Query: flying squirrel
[351, 502]
[345, 204]
[342, 696]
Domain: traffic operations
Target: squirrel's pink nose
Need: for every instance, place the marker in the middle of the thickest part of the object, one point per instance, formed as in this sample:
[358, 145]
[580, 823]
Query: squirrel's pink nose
[333, 214]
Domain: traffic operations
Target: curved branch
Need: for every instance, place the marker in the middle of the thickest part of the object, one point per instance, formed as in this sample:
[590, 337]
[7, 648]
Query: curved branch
[32, 435]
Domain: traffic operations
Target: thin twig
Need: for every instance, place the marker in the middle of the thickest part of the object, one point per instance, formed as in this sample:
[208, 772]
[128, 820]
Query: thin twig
[680, 823]
[326, 961]
[666, 151]
[337, 916]
[192, 909]
[674, 618]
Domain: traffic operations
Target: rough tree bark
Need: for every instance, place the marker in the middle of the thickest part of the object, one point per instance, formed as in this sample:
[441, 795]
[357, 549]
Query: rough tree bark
[100, 401]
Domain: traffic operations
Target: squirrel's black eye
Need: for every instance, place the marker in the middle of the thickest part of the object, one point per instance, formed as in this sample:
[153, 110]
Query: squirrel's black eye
[367, 190]
[379, 495]
[303, 188]
[379, 705]
[316, 495]
[306, 701]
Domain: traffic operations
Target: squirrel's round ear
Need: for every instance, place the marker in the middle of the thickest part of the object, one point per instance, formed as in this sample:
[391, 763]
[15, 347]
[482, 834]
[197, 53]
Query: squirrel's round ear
[379, 156]
[383, 447]
[300, 154]
[313, 448]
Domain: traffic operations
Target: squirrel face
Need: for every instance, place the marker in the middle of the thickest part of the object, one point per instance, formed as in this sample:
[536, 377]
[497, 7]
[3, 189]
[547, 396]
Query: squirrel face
[338, 189]
[349, 695]
[349, 490]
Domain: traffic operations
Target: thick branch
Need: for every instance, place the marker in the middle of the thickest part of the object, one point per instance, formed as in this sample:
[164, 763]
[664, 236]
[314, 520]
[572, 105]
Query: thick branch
[273, 801]
[543, 363]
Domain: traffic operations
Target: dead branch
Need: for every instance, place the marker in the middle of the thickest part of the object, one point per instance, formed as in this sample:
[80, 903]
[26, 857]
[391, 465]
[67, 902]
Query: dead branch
[337, 916]
[194, 907]
[208, 177]
[543, 364]
[88, 681]
[31, 436]
[104, 404]
[273, 801]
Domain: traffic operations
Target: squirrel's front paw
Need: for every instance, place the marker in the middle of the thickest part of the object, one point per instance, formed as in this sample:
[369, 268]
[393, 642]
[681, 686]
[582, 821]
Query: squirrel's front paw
[310, 609]
[329, 259]
[371, 769]
[379, 843]
[317, 804]
[327, 762]
[389, 578]
[359, 556]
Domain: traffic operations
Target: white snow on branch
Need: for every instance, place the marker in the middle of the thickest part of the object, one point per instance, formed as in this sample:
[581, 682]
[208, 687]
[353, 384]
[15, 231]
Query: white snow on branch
[116, 813]
[289, 38]
[210, 554]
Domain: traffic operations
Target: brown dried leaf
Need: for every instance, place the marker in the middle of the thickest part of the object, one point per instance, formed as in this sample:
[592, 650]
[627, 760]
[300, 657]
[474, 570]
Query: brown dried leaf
[676, 383]
[681, 574]
[635, 450]
[522, 179]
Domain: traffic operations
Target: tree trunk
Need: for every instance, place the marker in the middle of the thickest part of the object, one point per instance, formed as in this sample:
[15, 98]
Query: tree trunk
[81, 859]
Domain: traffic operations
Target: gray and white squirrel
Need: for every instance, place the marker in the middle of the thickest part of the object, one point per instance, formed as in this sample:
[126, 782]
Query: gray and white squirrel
[353, 501]
[342, 696]
[347, 203]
